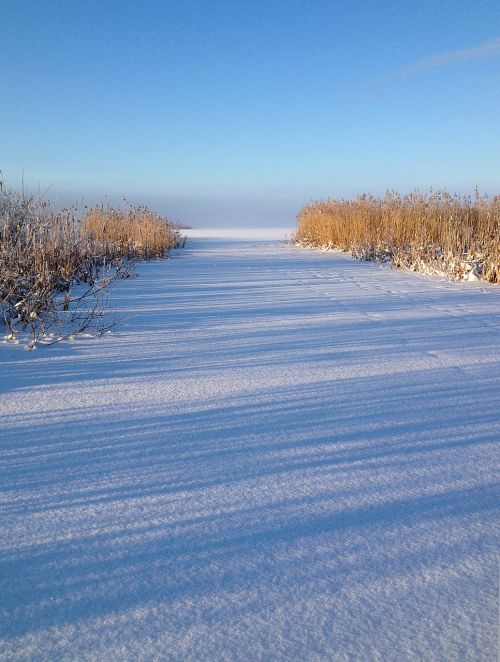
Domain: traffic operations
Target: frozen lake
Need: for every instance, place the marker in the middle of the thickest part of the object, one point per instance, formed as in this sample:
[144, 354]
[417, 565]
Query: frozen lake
[281, 454]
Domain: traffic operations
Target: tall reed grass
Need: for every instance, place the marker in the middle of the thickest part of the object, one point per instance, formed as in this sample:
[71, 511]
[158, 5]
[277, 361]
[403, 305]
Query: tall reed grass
[135, 233]
[45, 253]
[435, 232]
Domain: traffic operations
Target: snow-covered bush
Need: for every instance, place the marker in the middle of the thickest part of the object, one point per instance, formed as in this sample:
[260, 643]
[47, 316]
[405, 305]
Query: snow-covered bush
[55, 268]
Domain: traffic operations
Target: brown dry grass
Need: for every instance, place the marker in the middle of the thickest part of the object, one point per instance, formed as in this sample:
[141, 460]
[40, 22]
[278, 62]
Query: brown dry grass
[434, 232]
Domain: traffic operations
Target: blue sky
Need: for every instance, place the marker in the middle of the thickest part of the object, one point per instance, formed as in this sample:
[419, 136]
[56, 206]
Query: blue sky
[221, 112]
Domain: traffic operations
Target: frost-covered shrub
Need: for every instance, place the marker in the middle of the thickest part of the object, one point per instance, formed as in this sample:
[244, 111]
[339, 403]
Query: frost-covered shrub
[55, 268]
[43, 255]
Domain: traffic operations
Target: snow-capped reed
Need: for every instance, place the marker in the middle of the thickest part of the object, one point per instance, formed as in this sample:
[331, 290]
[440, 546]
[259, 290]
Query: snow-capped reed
[45, 253]
[434, 232]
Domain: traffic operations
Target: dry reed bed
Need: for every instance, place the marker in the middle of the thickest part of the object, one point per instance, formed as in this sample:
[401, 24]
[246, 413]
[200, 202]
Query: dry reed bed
[44, 253]
[436, 232]
[136, 233]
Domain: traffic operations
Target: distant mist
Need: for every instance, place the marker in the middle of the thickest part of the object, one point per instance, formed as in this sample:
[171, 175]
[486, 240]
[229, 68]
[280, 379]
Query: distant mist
[199, 212]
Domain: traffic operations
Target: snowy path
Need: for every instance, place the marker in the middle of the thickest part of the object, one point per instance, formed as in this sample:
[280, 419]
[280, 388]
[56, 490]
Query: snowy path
[287, 455]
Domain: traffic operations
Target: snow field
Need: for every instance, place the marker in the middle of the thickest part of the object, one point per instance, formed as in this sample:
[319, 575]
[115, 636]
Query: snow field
[283, 455]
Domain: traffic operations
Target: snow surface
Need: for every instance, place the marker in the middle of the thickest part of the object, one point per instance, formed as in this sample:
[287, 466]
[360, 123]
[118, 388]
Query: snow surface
[239, 233]
[285, 455]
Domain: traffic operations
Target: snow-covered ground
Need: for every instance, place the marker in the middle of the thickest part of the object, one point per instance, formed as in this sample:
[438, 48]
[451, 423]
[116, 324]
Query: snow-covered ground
[239, 233]
[285, 455]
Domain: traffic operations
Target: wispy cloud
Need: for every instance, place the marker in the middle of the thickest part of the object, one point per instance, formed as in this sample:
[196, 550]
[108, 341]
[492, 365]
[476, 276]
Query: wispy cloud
[484, 50]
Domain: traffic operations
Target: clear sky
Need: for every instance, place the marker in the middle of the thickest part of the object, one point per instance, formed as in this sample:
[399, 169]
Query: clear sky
[222, 112]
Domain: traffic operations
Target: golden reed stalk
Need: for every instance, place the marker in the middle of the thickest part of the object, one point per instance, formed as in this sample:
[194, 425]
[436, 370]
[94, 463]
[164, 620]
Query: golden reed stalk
[434, 232]
[135, 233]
